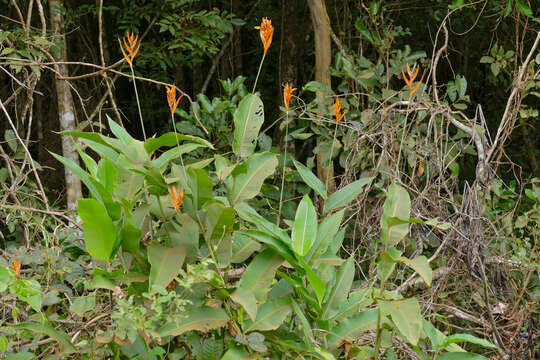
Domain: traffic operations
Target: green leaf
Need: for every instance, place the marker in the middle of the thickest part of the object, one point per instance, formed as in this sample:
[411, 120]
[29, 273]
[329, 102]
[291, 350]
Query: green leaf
[249, 214]
[119, 131]
[363, 30]
[43, 328]
[260, 273]
[7, 276]
[458, 338]
[310, 179]
[397, 204]
[315, 281]
[275, 244]
[315, 86]
[387, 263]
[460, 356]
[243, 247]
[185, 234]
[345, 195]
[271, 315]
[82, 304]
[28, 291]
[524, 8]
[306, 328]
[99, 231]
[509, 7]
[247, 184]
[202, 318]
[406, 315]
[340, 290]
[351, 328]
[219, 222]
[172, 139]
[420, 264]
[326, 232]
[304, 230]
[461, 84]
[248, 119]
[246, 298]
[486, 60]
[165, 264]
[236, 353]
[81, 174]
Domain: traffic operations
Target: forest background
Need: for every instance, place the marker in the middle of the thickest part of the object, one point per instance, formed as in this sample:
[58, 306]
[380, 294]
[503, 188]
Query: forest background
[410, 142]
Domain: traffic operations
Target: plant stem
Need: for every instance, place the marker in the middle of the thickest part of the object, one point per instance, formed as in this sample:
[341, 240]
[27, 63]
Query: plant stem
[330, 159]
[138, 102]
[284, 162]
[178, 145]
[258, 73]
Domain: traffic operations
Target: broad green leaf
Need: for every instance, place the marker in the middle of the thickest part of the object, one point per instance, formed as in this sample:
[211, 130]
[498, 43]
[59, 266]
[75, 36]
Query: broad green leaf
[172, 139]
[270, 315]
[130, 238]
[345, 195]
[247, 184]
[7, 276]
[458, 338]
[460, 356]
[406, 316]
[185, 234]
[260, 273]
[107, 174]
[219, 222]
[351, 328]
[340, 290]
[236, 353]
[243, 247]
[202, 318]
[319, 287]
[246, 298]
[326, 232]
[119, 131]
[306, 328]
[397, 204]
[420, 264]
[165, 264]
[315, 86]
[524, 8]
[223, 167]
[28, 291]
[275, 244]
[99, 231]
[82, 304]
[310, 179]
[81, 174]
[200, 185]
[387, 263]
[248, 119]
[163, 160]
[304, 230]
[43, 328]
[249, 214]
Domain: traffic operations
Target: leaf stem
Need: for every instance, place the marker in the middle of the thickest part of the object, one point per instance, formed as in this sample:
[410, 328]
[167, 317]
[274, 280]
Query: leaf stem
[138, 102]
[330, 158]
[284, 162]
[258, 73]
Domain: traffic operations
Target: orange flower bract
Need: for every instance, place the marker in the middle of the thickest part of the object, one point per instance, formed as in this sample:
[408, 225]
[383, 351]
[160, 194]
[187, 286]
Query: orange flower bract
[337, 111]
[266, 31]
[16, 267]
[287, 93]
[172, 100]
[176, 197]
[411, 77]
[132, 47]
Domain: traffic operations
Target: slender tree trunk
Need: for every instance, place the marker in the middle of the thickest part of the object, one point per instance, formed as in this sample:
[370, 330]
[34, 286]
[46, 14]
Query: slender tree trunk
[66, 112]
[323, 58]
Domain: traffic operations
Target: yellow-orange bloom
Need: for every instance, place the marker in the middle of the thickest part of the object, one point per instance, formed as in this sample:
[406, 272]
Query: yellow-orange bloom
[172, 100]
[411, 77]
[287, 93]
[337, 111]
[266, 31]
[132, 47]
[16, 267]
[176, 197]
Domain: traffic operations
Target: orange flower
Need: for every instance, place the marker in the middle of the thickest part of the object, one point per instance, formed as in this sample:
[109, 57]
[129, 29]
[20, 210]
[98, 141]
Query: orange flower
[266, 31]
[337, 111]
[132, 47]
[410, 79]
[176, 197]
[287, 93]
[172, 100]
[16, 267]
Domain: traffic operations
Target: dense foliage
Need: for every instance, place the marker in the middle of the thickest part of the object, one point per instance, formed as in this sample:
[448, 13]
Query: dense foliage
[390, 213]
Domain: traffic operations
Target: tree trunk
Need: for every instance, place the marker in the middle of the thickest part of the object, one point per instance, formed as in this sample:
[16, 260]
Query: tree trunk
[66, 112]
[323, 58]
